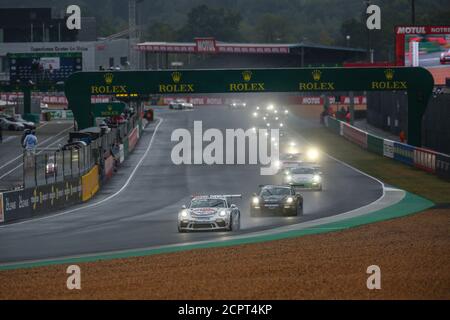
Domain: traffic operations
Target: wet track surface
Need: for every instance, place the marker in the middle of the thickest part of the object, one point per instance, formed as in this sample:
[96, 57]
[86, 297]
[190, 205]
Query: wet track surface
[144, 214]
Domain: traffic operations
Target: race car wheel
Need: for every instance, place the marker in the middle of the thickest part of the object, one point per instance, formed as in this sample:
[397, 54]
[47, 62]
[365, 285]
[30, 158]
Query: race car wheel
[300, 209]
[238, 222]
[181, 230]
[230, 227]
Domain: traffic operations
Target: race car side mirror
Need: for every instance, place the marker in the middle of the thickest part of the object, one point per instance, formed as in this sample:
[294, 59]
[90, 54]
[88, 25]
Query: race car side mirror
[255, 195]
[233, 206]
[183, 207]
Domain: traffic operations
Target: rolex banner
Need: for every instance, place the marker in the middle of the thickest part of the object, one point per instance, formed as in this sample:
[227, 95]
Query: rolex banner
[26, 203]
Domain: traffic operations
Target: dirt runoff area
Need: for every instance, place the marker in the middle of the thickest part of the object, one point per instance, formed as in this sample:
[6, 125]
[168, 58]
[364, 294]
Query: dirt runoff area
[412, 252]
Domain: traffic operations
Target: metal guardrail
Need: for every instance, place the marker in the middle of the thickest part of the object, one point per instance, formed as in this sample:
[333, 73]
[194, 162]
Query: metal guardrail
[46, 166]
[424, 159]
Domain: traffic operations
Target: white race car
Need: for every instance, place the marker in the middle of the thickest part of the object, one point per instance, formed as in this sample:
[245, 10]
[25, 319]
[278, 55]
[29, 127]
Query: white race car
[304, 176]
[210, 212]
[180, 104]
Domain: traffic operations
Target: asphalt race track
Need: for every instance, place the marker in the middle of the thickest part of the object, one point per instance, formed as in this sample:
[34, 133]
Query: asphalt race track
[144, 213]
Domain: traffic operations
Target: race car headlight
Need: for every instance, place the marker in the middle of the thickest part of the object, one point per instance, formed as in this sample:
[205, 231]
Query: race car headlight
[312, 154]
[289, 200]
[255, 200]
[286, 112]
[244, 104]
[222, 213]
[255, 114]
[184, 213]
[316, 178]
[288, 178]
[281, 125]
[257, 108]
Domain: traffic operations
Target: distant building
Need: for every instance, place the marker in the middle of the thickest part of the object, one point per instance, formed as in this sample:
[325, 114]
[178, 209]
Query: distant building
[37, 35]
[209, 53]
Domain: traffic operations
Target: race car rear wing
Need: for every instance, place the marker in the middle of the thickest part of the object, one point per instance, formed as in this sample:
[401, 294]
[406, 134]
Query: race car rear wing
[217, 196]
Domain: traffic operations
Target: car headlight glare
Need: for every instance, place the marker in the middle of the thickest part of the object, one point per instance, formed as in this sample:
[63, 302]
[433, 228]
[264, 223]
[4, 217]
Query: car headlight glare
[222, 213]
[255, 200]
[255, 114]
[313, 154]
[278, 163]
[288, 177]
[281, 125]
[289, 200]
[316, 178]
[184, 213]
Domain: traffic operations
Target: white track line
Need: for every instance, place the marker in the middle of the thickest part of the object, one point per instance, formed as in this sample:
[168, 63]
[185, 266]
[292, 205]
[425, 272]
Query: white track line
[39, 144]
[103, 200]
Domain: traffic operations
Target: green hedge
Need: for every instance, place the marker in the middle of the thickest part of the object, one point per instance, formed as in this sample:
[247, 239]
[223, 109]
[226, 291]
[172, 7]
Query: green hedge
[375, 144]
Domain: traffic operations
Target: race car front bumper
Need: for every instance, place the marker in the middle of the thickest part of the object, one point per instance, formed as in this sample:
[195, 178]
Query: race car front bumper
[274, 209]
[306, 185]
[192, 224]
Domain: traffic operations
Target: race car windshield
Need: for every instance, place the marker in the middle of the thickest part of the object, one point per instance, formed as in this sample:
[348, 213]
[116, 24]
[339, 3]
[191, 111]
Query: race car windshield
[208, 203]
[275, 192]
[303, 171]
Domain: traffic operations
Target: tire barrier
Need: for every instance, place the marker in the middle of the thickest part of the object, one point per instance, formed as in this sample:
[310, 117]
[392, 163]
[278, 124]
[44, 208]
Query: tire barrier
[421, 158]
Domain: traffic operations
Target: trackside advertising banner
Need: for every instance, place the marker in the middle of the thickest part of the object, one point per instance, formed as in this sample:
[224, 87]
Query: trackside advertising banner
[29, 202]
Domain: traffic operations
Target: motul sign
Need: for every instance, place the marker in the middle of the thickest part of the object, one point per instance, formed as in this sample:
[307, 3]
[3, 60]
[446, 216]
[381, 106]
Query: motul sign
[423, 30]
[207, 45]
[411, 30]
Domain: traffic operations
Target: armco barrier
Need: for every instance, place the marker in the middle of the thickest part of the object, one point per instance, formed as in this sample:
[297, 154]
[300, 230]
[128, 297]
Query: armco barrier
[334, 125]
[28, 202]
[90, 183]
[355, 135]
[404, 153]
[443, 165]
[425, 159]
[388, 148]
[375, 144]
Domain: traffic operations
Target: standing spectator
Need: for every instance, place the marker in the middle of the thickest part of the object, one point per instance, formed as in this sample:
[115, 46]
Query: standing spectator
[30, 142]
[24, 135]
[402, 136]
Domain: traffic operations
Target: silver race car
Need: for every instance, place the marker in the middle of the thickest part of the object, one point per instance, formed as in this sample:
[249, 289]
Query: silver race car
[304, 176]
[180, 104]
[210, 212]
